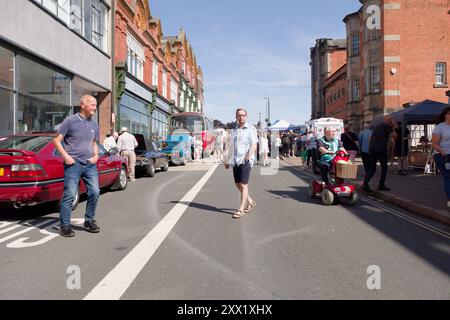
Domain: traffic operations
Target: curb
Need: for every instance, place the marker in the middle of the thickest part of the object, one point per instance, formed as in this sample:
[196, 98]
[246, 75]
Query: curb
[431, 213]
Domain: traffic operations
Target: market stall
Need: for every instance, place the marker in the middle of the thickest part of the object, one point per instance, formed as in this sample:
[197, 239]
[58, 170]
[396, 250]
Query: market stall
[420, 119]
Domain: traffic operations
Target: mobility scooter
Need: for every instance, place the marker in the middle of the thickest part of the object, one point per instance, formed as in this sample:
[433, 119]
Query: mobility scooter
[337, 189]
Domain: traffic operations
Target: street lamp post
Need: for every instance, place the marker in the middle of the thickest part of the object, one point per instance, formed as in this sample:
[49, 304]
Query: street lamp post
[268, 109]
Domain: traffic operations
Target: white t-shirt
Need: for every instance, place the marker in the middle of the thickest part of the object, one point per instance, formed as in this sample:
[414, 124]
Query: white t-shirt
[443, 131]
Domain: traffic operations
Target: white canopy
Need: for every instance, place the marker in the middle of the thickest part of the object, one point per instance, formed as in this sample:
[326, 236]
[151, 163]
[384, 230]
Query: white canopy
[280, 125]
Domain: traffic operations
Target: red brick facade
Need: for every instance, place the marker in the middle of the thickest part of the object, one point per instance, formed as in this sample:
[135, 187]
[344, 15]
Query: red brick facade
[396, 64]
[171, 53]
[336, 98]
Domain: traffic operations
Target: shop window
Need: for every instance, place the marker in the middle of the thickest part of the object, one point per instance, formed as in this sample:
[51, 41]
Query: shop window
[6, 68]
[6, 112]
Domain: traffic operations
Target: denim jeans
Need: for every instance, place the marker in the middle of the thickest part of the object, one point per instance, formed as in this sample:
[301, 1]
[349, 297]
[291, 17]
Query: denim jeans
[440, 162]
[72, 176]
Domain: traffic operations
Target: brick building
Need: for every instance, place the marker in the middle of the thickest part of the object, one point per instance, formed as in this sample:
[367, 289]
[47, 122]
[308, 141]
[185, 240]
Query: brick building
[155, 75]
[336, 97]
[403, 60]
[327, 56]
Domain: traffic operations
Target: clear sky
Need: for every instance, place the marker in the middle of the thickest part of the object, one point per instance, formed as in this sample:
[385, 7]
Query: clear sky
[251, 49]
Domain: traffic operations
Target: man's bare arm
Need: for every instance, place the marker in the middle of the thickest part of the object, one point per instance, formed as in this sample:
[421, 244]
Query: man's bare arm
[57, 142]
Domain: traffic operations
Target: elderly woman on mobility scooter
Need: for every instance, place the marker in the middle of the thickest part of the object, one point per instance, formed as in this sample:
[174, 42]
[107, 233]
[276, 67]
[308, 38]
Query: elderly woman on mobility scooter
[330, 152]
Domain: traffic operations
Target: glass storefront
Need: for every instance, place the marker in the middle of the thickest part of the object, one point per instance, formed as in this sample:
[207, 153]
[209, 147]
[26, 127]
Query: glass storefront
[35, 97]
[134, 115]
[44, 97]
[160, 125]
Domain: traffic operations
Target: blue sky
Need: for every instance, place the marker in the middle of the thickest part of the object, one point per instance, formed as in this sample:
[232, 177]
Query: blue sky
[251, 49]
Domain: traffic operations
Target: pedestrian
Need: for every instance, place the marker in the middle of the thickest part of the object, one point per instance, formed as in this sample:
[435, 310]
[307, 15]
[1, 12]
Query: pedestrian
[378, 151]
[111, 141]
[311, 147]
[286, 144]
[241, 156]
[219, 141]
[263, 149]
[80, 134]
[191, 145]
[198, 148]
[350, 141]
[126, 143]
[401, 150]
[277, 146]
[364, 139]
[291, 143]
[441, 144]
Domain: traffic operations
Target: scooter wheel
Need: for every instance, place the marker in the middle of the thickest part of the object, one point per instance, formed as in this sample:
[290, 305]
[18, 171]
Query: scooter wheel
[327, 197]
[311, 192]
[352, 201]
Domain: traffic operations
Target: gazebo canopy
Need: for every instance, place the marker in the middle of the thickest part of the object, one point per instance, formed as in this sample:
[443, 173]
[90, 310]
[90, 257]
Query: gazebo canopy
[280, 125]
[424, 112]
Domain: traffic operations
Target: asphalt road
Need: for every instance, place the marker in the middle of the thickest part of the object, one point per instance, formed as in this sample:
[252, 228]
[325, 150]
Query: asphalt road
[172, 237]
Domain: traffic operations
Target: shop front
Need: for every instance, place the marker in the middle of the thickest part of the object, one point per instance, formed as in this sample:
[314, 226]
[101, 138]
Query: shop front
[36, 96]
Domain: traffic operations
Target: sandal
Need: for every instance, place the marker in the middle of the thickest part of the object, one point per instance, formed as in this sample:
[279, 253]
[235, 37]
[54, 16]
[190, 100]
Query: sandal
[238, 214]
[249, 207]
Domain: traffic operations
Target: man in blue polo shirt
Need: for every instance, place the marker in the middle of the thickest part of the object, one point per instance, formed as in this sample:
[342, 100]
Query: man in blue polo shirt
[79, 132]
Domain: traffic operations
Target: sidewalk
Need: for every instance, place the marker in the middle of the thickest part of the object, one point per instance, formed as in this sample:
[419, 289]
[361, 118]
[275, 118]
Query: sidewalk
[416, 192]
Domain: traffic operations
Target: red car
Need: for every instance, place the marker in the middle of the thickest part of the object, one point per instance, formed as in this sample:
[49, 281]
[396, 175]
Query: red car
[32, 171]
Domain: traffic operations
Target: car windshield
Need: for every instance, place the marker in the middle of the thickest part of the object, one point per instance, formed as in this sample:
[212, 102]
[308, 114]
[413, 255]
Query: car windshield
[192, 123]
[30, 143]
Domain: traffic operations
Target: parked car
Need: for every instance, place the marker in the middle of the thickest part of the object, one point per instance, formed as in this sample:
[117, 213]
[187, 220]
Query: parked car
[32, 170]
[149, 157]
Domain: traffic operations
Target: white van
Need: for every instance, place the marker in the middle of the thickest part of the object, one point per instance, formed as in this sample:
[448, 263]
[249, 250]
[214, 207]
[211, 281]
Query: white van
[317, 126]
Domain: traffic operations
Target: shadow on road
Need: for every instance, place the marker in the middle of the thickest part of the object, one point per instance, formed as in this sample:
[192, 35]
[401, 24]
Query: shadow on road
[206, 207]
[431, 247]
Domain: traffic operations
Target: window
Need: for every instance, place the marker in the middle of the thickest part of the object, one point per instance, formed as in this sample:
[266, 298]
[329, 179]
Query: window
[6, 68]
[355, 90]
[174, 91]
[373, 83]
[135, 57]
[89, 18]
[441, 73]
[164, 84]
[155, 73]
[355, 45]
[375, 79]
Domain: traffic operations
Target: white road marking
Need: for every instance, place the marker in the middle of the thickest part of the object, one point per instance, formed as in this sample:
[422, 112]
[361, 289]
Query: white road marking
[25, 230]
[407, 218]
[114, 285]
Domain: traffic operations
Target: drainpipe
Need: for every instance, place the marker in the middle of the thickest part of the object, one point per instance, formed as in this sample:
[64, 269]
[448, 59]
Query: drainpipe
[113, 67]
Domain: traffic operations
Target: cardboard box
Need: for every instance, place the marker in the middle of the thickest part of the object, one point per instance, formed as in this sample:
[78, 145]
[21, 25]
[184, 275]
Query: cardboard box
[417, 158]
[346, 171]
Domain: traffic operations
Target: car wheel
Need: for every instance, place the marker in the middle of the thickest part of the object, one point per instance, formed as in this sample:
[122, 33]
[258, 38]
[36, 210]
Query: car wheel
[165, 168]
[121, 181]
[151, 169]
[327, 197]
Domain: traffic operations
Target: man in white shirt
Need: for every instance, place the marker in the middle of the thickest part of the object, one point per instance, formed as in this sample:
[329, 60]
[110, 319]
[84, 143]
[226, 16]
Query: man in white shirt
[241, 155]
[126, 143]
[110, 141]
